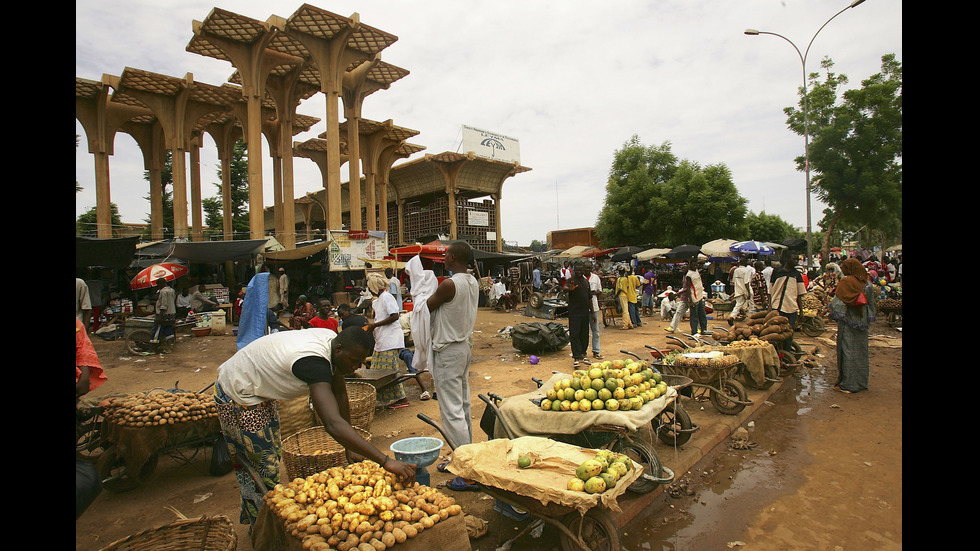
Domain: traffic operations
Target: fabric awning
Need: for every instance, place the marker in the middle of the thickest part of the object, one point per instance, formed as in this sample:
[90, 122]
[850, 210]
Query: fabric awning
[109, 253]
[297, 253]
[219, 251]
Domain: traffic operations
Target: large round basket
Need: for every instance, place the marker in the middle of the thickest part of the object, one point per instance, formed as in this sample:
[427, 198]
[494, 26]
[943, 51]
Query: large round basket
[363, 399]
[313, 450]
[194, 534]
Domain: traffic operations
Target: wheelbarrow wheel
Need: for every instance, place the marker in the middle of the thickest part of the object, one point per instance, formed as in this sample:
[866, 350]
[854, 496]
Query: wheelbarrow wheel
[138, 342]
[673, 426]
[598, 531]
[813, 326]
[724, 401]
[644, 454]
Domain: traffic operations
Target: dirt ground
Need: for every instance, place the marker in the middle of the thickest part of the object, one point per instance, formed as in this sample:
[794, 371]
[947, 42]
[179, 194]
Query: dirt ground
[841, 487]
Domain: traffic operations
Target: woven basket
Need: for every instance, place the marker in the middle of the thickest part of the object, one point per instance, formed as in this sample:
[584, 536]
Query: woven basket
[363, 399]
[313, 450]
[195, 534]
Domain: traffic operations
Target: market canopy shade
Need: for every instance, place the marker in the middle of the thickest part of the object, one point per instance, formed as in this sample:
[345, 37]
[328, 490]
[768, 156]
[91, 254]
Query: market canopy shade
[683, 252]
[650, 254]
[148, 276]
[718, 247]
[751, 247]
[795, 243]
[625, 253]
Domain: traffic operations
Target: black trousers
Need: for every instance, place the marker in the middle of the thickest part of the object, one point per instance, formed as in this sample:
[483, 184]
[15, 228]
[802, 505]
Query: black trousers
[578, 333]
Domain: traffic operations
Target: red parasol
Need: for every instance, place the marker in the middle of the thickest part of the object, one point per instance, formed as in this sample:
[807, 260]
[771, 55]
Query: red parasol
[147, 277]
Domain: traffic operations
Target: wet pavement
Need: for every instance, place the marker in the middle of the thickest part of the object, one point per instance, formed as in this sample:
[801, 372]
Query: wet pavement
[717, 488]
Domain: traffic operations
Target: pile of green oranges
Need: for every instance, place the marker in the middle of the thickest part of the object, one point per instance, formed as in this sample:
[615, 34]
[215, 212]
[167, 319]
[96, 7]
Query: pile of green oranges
[600, 473]
[622, 385]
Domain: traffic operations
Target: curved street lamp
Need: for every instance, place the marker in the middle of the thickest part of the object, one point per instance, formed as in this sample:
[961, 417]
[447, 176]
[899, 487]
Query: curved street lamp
[806, 116]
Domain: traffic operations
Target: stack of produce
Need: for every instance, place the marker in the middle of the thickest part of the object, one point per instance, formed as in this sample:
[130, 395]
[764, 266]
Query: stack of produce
[359, 507]
[612, 384]
[889, 305]
[768, 326]
[713, 359]
[812, 302]
[600, 473]
[159, 407]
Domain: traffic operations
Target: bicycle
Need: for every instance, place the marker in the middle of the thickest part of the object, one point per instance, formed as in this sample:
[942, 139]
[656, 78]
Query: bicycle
[141, 343]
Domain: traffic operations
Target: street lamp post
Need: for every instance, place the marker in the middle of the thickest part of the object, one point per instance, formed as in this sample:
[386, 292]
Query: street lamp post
[806, 118]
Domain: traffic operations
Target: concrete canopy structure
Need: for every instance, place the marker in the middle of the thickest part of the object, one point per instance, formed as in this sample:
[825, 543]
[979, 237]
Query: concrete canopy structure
[279, 63]
[456, 176]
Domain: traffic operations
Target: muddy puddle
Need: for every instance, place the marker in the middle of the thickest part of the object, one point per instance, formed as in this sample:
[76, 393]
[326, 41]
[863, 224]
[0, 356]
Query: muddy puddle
[711, 505]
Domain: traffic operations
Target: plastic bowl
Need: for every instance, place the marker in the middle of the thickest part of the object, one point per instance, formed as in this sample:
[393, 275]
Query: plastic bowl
[201, 331]
[421, 451]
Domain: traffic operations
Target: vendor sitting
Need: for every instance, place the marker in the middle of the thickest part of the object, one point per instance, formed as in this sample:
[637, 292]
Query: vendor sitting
[505, 299]
[201, 303]
[668, 303]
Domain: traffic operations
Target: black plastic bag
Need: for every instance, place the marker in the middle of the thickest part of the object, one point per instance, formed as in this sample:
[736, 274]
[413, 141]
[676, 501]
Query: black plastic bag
[538, 337]
[220, 458]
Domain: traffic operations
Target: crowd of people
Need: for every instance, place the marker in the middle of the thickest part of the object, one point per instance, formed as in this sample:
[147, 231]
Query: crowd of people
[320, 345]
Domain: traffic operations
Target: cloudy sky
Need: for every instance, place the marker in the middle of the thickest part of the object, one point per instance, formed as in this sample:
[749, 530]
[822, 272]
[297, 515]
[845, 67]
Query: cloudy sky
[571, 80]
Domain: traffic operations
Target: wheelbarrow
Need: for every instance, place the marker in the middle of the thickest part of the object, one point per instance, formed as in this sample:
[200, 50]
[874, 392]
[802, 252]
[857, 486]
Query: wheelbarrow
[673, 426]
[121, 471]
[619, 439]
[381, 379]
[595, 530]
[725, 393]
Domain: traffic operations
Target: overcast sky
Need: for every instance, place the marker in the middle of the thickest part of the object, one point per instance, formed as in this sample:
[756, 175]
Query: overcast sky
[571, 80]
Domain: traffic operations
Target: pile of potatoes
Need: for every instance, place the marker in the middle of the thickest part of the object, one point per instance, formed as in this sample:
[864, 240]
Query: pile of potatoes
[359, 507]
[767, 326]
[160, 407]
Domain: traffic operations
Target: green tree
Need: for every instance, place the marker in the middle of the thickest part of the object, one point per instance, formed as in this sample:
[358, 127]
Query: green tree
[86, 224]
[855, 148]
[538, 246]
[635, 173]
[769, 228]
[213, 209]
[692, 204]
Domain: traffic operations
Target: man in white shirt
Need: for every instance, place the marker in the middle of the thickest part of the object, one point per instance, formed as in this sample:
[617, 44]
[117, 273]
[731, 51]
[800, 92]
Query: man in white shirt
[595, 288]
[740, 280]
[767, 273]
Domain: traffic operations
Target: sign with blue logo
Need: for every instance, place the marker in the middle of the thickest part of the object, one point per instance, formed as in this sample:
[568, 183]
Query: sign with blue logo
[490, 145]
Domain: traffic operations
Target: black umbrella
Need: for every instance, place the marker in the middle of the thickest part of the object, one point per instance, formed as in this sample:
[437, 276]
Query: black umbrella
[625, 253]
[684, 251]
[795, 243]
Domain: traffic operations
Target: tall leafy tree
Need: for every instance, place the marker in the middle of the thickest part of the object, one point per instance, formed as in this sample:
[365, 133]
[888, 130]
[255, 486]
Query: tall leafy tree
[652, 198]
[85, 225]
[769, 228]
[635, 173]
[213, 209]
[855, 148]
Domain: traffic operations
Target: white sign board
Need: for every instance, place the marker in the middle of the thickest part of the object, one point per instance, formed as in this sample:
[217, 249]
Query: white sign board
[349, 250]
[490, 145]
[478, 218]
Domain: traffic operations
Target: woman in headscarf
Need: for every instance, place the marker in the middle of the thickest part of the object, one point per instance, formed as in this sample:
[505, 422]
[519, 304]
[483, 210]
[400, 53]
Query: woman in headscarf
[302, 314]
[389, 340]
[622, 292]
[853, 308]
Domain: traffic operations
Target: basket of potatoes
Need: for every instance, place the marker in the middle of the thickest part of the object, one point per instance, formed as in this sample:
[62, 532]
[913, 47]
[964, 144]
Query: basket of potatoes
[358, 507]
[313, 450]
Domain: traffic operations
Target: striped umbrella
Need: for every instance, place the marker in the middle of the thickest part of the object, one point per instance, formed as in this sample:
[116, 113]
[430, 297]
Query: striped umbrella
[148, 276]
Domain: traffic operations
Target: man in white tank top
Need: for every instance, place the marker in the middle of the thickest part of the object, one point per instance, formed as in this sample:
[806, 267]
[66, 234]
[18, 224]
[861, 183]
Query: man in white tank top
[452, 310]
